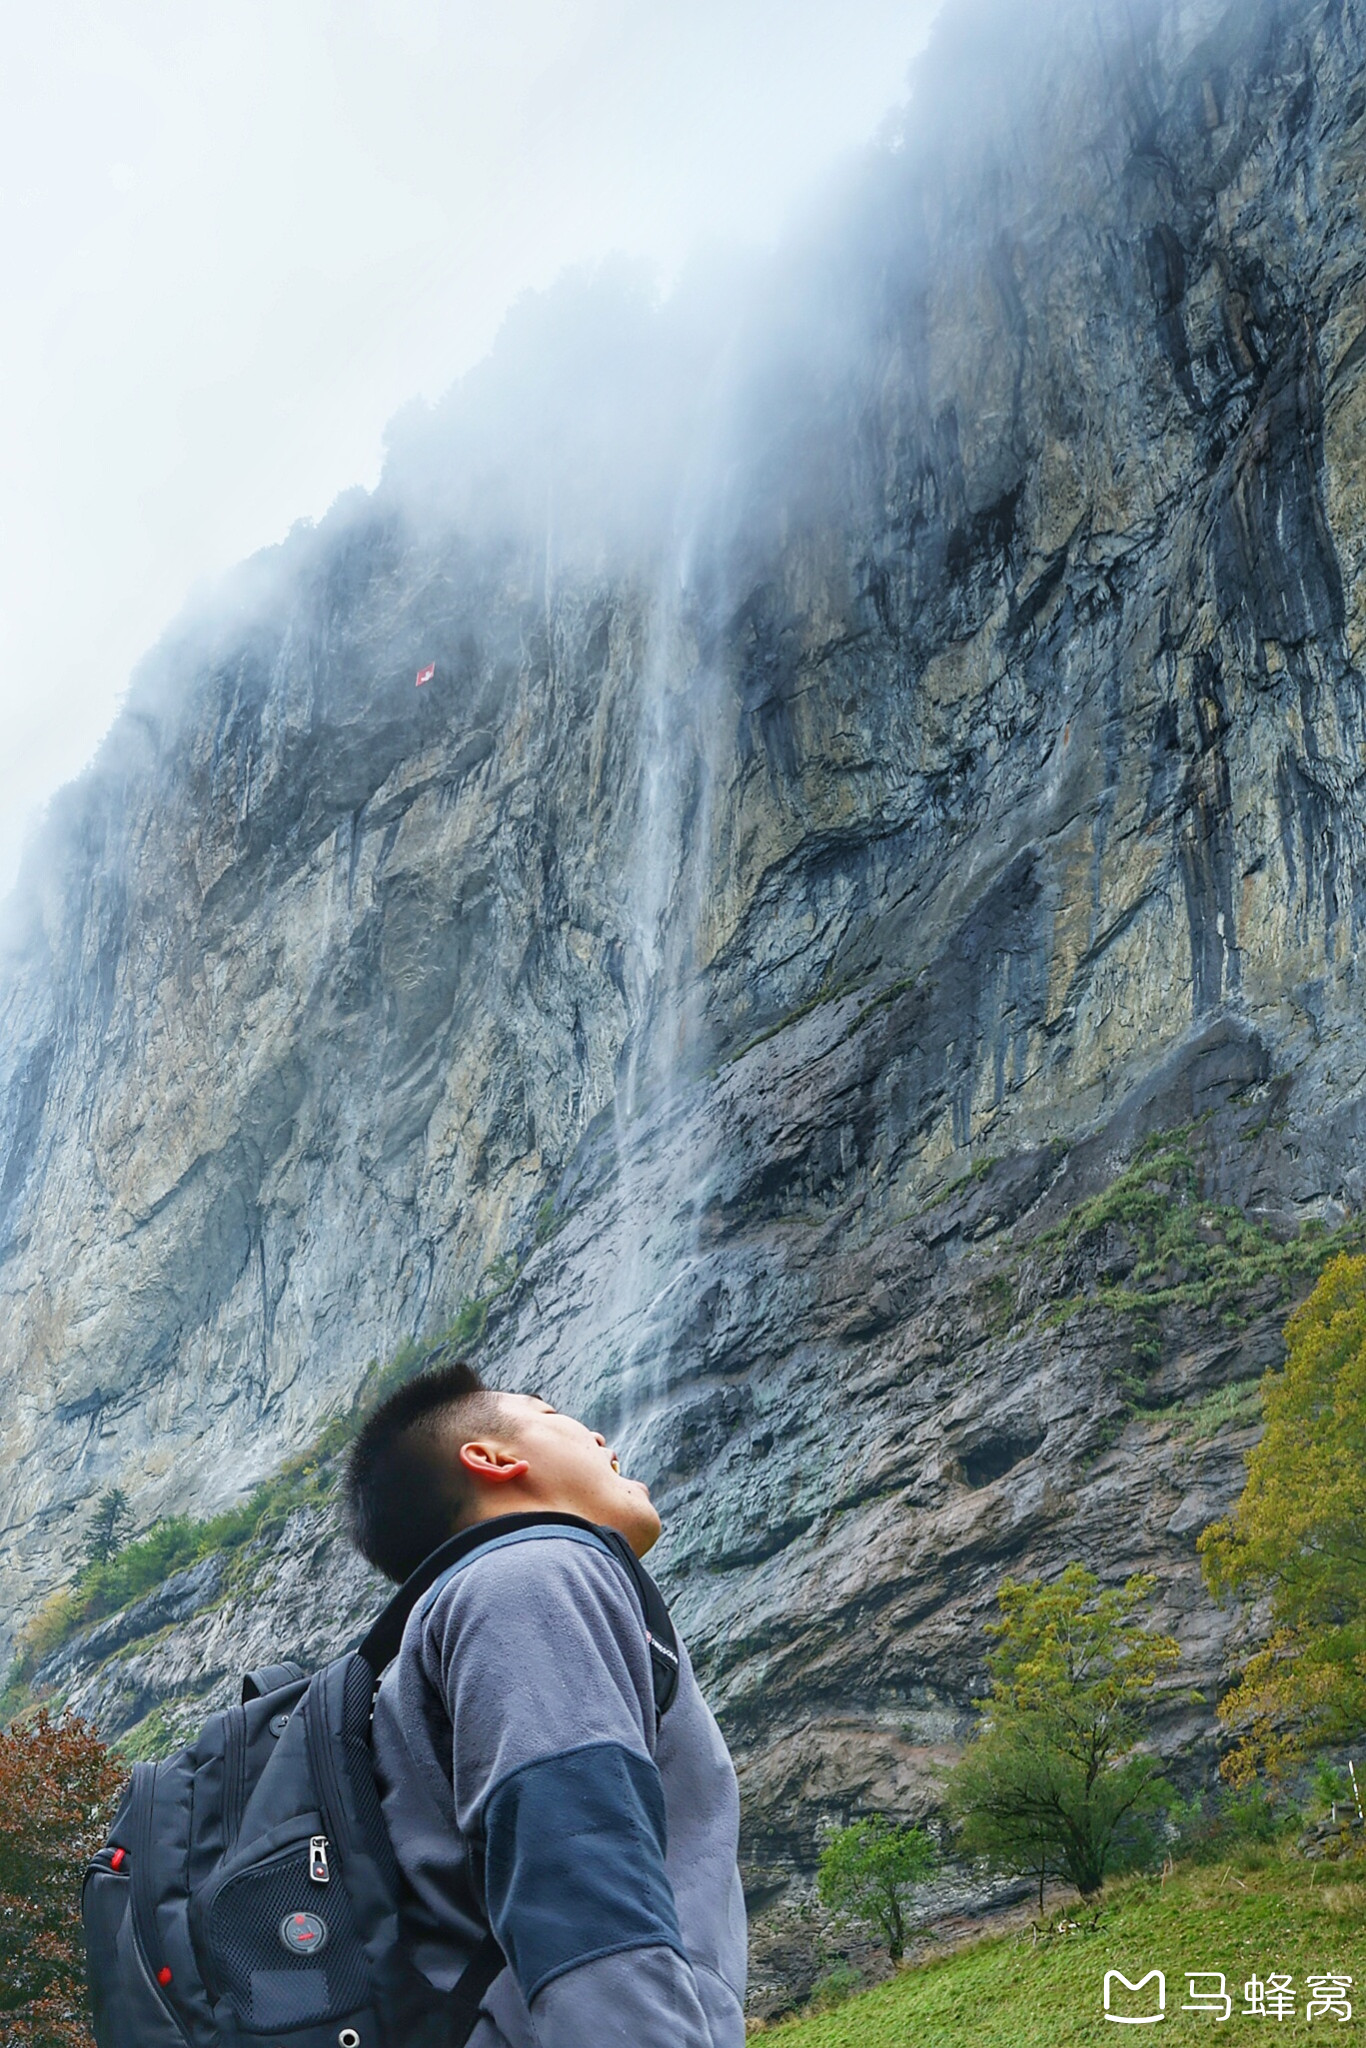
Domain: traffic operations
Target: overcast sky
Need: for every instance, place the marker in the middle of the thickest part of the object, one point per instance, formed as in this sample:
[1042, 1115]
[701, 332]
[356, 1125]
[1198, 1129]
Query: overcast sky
[235, 239]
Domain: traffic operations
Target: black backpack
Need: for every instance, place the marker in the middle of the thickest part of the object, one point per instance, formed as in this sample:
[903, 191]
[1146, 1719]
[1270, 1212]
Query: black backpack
[248, 1896]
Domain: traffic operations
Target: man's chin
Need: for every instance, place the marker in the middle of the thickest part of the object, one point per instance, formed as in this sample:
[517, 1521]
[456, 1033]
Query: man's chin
[638, 1519]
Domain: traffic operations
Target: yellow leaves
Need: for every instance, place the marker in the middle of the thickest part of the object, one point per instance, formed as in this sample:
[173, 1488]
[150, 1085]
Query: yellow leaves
[50, 1626]
[1257, 1709]
[1068, 1641]
[1298, 1533]
[1215, 1544]
[1293, 1688]
[1339, 1292]
[1299, 1529]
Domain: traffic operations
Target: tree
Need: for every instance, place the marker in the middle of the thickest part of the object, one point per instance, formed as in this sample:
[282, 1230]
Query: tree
[1298, 1535]
[108, 1531]
[868, 1872]
[57, 1787]
[1054, 1783]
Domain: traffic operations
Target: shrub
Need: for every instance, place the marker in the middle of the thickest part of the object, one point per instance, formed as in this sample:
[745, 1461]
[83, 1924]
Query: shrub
[57, 1787]
[1232, 1823]
[837, 1985]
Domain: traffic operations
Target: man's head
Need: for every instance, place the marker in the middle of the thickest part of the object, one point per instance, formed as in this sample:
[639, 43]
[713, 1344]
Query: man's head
[445, 1452]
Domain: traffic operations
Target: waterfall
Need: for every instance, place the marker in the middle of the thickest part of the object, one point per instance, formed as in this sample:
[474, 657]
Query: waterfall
[662, 1149]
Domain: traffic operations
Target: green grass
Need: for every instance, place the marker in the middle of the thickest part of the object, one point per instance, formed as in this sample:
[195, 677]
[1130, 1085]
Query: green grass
[1285, 1916]
[964, 1180]
[828, 992]
[155, 1736]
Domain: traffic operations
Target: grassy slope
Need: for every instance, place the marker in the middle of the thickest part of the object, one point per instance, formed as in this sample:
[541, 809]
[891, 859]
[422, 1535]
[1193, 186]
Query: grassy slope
[1289, 1916]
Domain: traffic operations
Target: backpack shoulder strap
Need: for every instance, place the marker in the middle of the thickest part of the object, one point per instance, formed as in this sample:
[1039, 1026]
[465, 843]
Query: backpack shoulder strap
[463, 2006]
[659, 1629]
[380, 1646]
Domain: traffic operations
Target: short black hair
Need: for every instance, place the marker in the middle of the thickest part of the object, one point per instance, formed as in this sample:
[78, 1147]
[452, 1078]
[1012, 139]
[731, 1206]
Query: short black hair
[403, 1493]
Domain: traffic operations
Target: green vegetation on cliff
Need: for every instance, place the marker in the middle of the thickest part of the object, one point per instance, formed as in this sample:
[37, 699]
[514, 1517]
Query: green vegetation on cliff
[1148, 1242]
[126, 1574]
[1152, 1240]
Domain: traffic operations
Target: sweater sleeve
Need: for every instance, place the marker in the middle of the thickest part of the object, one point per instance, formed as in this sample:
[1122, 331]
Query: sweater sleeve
[539, 1650]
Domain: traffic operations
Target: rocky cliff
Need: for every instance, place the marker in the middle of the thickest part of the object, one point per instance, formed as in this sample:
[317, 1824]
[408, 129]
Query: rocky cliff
[894, 755]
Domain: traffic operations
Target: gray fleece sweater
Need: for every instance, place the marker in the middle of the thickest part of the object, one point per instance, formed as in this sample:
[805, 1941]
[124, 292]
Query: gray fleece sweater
[601, 1851]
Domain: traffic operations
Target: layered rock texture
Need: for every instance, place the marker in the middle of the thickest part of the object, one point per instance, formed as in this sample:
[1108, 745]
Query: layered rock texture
[890, 755]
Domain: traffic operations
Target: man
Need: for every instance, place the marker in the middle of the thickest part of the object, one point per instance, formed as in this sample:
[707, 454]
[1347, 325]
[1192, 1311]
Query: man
[530, 1787]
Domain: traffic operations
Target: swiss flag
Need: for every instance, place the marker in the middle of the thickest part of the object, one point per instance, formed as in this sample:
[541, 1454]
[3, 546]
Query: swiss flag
[424, 675]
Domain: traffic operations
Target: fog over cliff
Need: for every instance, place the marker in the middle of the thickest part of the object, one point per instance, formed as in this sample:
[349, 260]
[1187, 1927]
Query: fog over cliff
[894, 751]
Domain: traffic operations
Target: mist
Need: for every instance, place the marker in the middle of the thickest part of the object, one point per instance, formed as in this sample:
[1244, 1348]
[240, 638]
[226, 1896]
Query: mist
[237, 247]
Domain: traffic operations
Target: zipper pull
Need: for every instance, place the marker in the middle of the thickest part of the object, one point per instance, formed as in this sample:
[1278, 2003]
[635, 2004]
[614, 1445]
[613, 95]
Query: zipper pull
[317, 1860]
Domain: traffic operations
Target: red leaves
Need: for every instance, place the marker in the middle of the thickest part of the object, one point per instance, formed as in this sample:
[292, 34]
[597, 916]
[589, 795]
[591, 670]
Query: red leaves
[57, 1788]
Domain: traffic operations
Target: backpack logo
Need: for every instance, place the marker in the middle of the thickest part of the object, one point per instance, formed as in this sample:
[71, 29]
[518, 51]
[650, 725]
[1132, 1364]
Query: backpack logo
[303, 1933]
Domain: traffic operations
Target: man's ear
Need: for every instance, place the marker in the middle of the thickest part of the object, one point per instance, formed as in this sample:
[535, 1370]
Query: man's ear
[492, 1463]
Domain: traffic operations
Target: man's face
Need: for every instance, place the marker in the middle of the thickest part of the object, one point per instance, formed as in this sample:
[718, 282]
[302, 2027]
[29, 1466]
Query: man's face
[569, 1467]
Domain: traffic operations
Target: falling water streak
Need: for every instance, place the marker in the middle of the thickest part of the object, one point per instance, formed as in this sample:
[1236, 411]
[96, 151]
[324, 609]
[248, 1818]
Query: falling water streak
[678, 737]
[659, 1026]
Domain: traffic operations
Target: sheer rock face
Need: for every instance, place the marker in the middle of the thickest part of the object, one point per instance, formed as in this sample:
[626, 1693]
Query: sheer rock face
[976, 778]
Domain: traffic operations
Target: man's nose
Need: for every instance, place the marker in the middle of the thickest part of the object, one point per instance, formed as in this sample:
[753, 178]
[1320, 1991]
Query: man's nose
[599, 1438]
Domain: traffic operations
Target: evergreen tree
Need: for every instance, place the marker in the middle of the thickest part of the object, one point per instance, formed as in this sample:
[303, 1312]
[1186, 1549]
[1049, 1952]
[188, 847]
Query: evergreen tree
[108, 1531]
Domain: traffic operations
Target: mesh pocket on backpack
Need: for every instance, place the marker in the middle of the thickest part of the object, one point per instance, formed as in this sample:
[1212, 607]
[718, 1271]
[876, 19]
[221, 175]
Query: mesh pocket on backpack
[266, 1981]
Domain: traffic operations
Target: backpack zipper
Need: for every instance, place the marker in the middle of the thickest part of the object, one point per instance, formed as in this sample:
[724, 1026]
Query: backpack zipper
[234, 1772]
[330, 1802]
[144, 1925]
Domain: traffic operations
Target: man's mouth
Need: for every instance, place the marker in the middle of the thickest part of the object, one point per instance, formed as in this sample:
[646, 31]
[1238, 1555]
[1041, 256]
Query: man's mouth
[616, 1467]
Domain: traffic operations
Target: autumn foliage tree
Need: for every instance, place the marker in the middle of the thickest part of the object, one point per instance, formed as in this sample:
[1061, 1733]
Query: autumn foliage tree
[57, 1786]
[1056, 1782]
[1298, 1536]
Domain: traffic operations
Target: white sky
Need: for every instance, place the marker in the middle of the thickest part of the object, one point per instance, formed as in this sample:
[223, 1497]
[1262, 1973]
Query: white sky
[235, 238]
